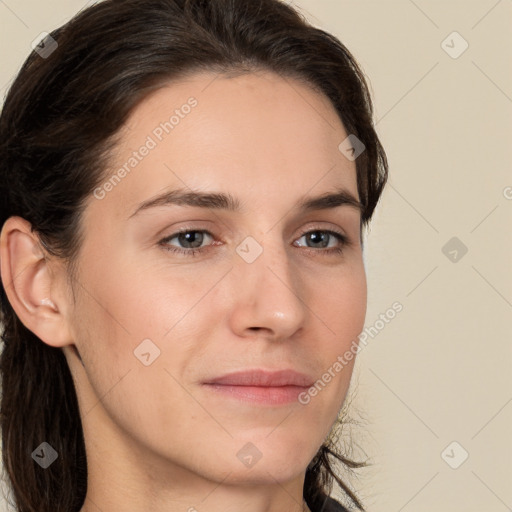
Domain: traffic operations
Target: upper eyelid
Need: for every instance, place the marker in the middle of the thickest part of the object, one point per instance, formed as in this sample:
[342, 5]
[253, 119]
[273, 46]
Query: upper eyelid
[187, 229]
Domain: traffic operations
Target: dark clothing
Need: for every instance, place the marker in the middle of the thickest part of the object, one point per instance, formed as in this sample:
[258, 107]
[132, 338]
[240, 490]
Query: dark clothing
[330, 505]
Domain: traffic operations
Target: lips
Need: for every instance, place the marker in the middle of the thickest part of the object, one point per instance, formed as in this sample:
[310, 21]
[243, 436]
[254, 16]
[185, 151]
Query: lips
[263, 388]
[263, 378]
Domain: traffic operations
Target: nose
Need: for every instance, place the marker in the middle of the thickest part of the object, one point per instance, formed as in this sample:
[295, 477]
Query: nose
[268, 295]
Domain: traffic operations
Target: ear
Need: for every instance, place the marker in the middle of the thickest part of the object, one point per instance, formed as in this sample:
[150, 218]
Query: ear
[32, 284]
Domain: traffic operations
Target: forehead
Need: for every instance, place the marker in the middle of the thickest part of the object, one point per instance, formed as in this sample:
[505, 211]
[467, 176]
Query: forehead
[257, 135]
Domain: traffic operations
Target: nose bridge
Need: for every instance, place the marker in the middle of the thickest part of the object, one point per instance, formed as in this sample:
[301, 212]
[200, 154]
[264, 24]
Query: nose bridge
[268, 288]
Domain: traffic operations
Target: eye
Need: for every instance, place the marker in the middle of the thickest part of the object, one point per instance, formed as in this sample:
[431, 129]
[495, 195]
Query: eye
[191, 241]
[321, 238]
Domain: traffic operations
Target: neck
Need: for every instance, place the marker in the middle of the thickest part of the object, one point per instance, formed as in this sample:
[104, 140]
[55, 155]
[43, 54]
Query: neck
[125, 478]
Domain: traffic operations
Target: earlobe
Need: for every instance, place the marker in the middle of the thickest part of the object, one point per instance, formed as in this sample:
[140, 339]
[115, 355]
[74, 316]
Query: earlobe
[28, 281]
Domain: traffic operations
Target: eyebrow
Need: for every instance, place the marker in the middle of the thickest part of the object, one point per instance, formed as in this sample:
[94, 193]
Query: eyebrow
[226, 201]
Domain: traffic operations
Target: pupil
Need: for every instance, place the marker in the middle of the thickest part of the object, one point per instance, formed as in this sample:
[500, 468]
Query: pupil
[189, 237]
[316, 235]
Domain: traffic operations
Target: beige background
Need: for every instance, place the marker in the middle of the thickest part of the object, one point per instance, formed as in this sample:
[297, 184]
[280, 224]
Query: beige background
[440, 371]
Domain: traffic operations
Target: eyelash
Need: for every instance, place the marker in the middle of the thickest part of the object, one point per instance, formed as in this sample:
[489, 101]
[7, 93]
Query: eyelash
[343, 239]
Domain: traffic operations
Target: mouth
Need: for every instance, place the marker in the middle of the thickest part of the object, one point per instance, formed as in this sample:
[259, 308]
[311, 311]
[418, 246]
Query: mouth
[261, 386]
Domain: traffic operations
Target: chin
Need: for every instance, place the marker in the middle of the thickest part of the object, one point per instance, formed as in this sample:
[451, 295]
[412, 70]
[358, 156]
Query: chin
[266, 473]
[269, 460]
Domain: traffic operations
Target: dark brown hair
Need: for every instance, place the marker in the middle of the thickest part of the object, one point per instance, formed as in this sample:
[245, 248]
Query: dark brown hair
[58, 124]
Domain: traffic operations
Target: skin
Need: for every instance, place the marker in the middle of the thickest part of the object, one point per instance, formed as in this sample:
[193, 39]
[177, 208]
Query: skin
[156, 439]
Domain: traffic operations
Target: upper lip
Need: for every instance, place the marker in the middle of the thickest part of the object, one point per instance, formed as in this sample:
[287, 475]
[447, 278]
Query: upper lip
[263, 378]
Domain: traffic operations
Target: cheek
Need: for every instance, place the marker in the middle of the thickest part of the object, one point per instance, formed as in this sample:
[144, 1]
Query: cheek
[141, 302]
[344, 305]
[132, 316]
[342, 311]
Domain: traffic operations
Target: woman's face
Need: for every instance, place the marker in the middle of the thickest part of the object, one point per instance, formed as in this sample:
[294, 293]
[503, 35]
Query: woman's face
[260, 284]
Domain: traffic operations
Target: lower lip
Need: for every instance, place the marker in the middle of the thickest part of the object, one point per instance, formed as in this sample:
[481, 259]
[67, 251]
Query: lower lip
[260, 394]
